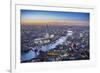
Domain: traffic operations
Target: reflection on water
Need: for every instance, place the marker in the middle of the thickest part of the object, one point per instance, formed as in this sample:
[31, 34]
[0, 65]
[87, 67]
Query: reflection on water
[32, 54]
[59, 44]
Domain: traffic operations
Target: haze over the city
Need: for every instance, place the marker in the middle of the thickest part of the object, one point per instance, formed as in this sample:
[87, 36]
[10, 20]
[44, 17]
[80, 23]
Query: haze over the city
[48, 36]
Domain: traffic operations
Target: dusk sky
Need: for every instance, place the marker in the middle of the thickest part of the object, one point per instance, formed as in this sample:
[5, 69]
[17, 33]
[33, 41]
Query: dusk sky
[37, 16]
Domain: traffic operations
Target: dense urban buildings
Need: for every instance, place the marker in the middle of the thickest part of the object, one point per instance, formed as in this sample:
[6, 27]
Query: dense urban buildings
[52, 40]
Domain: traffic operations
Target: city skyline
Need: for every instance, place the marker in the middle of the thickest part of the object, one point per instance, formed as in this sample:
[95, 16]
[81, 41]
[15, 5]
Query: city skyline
[48, 36]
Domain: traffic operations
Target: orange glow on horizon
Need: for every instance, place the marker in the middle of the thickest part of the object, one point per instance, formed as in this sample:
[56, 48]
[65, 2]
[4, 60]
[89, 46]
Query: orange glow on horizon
[54, 22]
